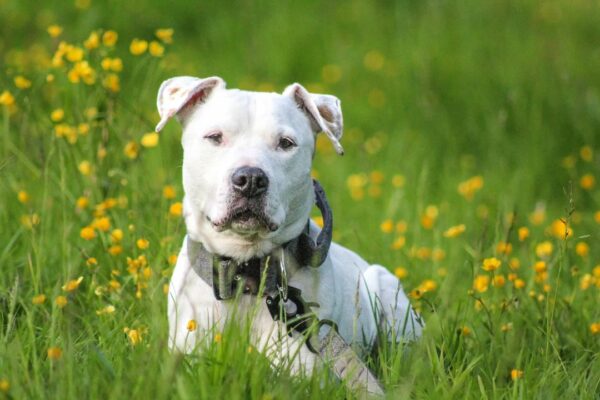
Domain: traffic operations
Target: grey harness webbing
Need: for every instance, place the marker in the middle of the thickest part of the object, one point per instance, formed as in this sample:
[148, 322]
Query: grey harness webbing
[228, 278]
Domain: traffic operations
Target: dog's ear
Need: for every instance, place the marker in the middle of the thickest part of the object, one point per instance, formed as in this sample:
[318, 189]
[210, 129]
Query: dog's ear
[323, 111]
[177, 95]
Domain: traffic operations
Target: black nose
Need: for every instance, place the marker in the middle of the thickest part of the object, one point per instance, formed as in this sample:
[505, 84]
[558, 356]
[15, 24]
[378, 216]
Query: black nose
[249, 181]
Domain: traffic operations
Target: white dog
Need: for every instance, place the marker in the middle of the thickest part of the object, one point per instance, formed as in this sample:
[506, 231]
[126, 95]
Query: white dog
[248, 197]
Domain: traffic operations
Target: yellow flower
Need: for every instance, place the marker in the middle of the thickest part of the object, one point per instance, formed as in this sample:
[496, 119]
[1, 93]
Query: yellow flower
[176, 209]
[172, 260]
[491, 264]
[106, 310]
[544, 249]
[74, 54]
[7, 99]
[586, 153]
[112, 82]
[72, 284]
[82, 202]
[595, 328]
[582, 249]
[192, 325]
[142, 243]
[455, 231]
[115, 250]
[85, 168]
[519, 283]
[57, 115]
[374, 60]
[523, 233]
[22, 83]
[387, 226]
[169, 192]
[4, 385]
[428, 285]
[23, 197]
[465, 331]
[468, 188]
[516, 374]
[134, 336]
[109, 38]
[498, 281]
[82, 71]
[87, 233]
[156, 49]
[218, 338]
[131, 150]
[399, 243]
[165, 34]
[506, 327]
[61, 301]
[54, 353]
[504, 248]
[39, 299]
[54, 30]
[102, 224]
[400, 272]
[540, 266]
[481, 283]
[318, 220]
[91, 261]
[587, 181]
[92, 42]
[112, 64]
[560, 230]
[138, 47]
[116, 235]
[150, 139]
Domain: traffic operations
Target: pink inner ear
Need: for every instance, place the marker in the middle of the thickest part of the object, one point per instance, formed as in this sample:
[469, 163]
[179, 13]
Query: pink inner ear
[194, 99]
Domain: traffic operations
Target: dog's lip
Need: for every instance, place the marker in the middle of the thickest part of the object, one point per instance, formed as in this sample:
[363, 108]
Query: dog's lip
[244, 214]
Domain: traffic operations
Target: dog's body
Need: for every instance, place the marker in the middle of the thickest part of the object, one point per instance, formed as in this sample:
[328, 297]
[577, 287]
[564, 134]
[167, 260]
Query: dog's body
[248, 192]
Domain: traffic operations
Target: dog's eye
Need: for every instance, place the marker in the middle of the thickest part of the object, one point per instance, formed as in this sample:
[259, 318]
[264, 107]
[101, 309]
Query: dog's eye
[285, 143]
[215, 137]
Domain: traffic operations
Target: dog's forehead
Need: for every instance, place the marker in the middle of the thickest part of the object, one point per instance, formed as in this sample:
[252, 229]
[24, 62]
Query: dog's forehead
[236, 110]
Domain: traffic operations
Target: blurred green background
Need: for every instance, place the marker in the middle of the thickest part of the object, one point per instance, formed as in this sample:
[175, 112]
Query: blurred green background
[433, 93]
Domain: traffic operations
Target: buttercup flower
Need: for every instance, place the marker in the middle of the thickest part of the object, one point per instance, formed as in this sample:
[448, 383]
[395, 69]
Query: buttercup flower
[54, 353]
[54, 30]
[176, 209]
[165, 35]
[39, 299]
[192, 325]
[109, 38]
[138, 47]
[156, 49]
[61, 301]
[150, 139]
[491, 264]
[455, 231]
[22, 83]
[72, 284]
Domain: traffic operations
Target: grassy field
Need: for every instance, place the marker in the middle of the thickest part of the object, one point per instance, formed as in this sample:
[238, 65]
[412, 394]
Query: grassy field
[472, 153]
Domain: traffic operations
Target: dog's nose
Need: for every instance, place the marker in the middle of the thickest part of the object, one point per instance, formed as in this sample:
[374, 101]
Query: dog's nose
[249, 181]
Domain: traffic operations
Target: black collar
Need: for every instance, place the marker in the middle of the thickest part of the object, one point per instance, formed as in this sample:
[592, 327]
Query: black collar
[227, 276]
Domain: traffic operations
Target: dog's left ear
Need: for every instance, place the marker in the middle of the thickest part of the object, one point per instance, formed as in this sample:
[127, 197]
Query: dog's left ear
[323, 111]
[177, 95]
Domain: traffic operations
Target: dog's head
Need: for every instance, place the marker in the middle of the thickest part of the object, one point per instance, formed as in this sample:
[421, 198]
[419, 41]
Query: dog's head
[247, 160]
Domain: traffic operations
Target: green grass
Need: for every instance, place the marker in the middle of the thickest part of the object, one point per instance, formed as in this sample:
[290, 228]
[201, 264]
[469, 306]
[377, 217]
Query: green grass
[437, 92]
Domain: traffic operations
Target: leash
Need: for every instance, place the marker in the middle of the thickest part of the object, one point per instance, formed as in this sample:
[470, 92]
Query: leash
[285, 303]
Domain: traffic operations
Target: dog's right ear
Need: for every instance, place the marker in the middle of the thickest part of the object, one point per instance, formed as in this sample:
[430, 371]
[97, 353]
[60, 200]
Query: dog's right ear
[177, 95]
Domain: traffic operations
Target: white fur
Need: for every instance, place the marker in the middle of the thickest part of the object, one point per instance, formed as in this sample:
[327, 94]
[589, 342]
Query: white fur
[359, 297]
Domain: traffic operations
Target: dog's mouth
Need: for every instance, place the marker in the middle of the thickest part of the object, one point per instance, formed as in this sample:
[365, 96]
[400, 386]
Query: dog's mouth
[246, 218]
